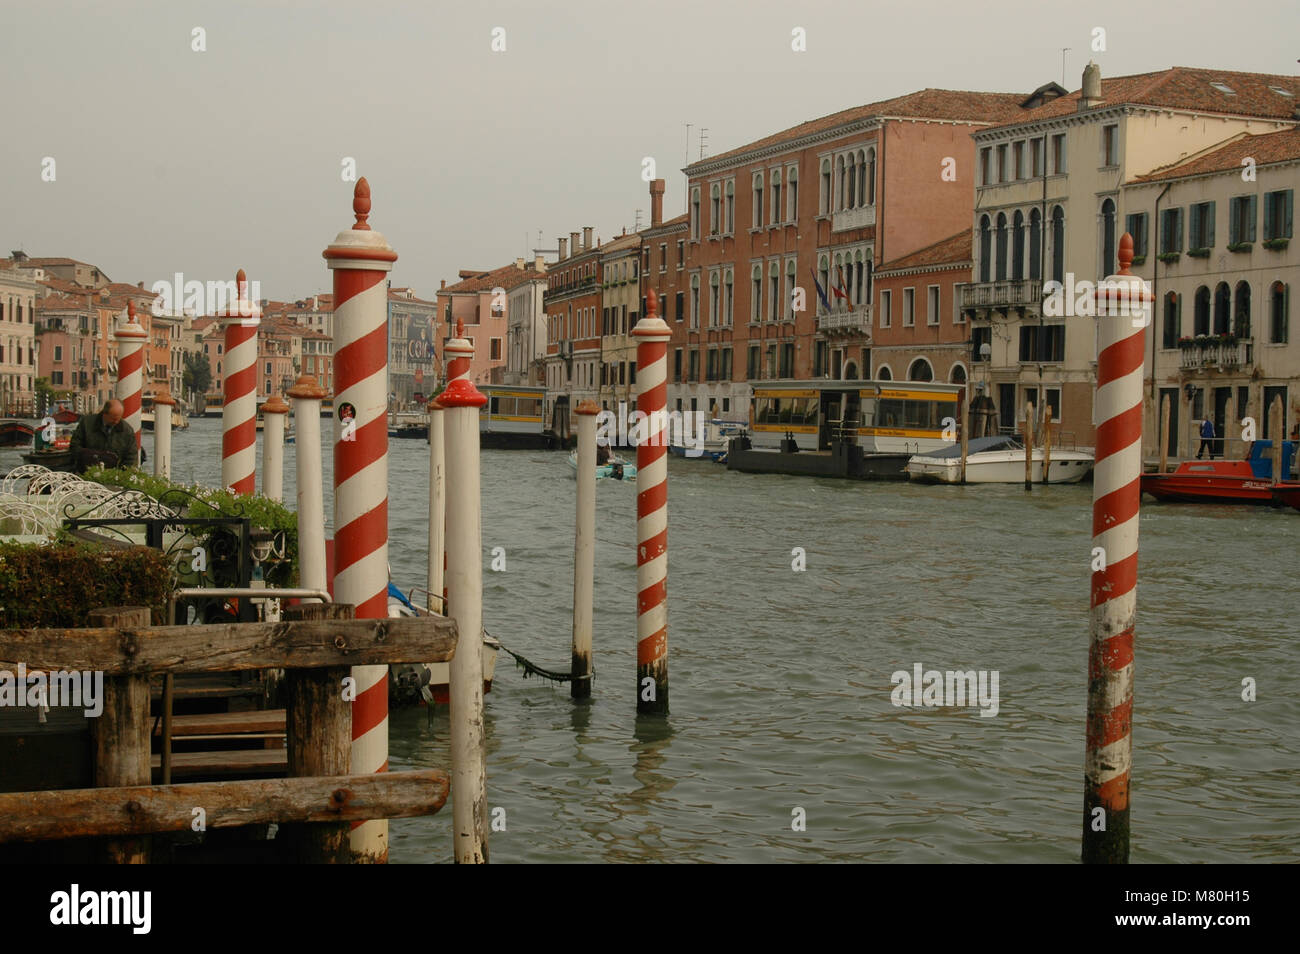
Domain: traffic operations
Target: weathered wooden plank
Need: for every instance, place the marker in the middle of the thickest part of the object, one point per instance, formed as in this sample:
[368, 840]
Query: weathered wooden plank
[227, 723]
[228, 647]
[138, 810]
[241, 762]
[121, 733]
[318, 736]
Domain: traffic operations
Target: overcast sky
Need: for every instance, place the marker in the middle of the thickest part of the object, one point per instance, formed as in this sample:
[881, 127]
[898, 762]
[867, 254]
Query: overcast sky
[168, 160]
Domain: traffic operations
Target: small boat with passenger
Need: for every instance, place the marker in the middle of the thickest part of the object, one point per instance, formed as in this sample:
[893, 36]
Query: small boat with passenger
[615, 468]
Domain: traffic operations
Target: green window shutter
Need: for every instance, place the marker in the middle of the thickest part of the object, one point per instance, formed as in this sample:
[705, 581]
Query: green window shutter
[1209, 228]
[1252, 211]
[1290, 205]
[1286, 312]
[1178, 230]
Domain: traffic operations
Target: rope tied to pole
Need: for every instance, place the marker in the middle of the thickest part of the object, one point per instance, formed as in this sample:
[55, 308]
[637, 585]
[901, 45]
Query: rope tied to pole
[531, 668]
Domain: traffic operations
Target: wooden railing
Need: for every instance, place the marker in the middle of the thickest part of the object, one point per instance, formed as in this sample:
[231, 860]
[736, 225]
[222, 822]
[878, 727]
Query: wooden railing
[317, 644]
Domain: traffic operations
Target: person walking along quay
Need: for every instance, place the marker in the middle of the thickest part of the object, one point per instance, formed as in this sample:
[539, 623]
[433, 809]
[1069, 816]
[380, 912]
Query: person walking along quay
[1207, 439]
[104, 438]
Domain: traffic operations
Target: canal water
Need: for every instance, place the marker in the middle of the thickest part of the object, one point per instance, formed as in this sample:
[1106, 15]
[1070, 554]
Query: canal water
[781, 713]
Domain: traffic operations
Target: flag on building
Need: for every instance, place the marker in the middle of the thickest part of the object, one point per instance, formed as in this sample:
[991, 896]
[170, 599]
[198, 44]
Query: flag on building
[821, 292]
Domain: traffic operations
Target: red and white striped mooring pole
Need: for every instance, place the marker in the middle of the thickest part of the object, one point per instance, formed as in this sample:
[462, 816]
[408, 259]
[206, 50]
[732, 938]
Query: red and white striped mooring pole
[130, 370]
[1116, 494]
[239, 385]
[461, 401]
[652, 335]
[360, 259]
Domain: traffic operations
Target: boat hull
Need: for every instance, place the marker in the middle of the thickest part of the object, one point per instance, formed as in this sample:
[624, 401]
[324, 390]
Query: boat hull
[1000, 467]
[15, 433]
[1195, 488]
[1288, 494]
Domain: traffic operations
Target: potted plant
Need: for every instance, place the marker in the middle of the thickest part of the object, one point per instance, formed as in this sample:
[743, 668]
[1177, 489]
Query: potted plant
[1186, 343]
[1168, 257]
[1276, 244]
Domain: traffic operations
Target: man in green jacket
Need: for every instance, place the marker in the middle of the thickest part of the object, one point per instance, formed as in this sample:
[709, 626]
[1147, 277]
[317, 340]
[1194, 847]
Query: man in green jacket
[104, 438]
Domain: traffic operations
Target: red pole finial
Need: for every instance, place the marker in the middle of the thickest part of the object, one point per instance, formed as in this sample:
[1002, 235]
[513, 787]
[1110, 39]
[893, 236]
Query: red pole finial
[361, 204]
[241, 283]
[651, 304]
[1125, 253]
[130, 309]
[460, 327]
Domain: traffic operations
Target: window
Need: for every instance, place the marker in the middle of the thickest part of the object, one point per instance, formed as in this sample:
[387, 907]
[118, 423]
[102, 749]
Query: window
[1110, 146]
[1277, 214]
[787, 360]
[932, 305]
[1018, 246]
[695, 302]
[958, 316]
[728, 299]
[792, 194]
[758, 200]
[1002, 163]
[1279, 306]
[726, 370]
[695, 214]
[715, 208]
[774, 291]
[731, 207]
[1036, 157]
[756, 296]
[1042, 343]
[986, 161]
[1058, 244]
[677, 365]
[986, 250]
[494, 349]
[1001, 242]
[1172, 320]
[695, 365]
[824, 200]
[1171, 231]
[979, 337]
[58, 353]
[909, 307]
[268, 367]
[1201, 312]
[1136, 226]
[776, 197]
[1241, 219]
[715, 299]
[1058, 154]
[752, 365]
[1017, 160]
[790, 277]
[886, 307]
[1200, 226]
[1107, 237]
[681, 306]
[681, 255]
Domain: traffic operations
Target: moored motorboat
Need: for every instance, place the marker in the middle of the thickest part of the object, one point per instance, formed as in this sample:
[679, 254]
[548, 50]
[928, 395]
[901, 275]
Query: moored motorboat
[15, 433]
[430, 682]
[616, 468]
[998, 460]
[1246, 481]
[1288, 494]
[711, 445]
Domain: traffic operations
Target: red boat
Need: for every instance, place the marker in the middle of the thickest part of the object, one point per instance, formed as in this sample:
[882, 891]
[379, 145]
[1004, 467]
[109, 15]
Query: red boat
[1287, 493]
[1221, 481]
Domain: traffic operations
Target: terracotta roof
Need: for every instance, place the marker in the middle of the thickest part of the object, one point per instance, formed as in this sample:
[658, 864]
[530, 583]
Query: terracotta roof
[507, 277]
[923, 104]
[200, 323]
[46, 262]
[394, 294]
[60, 302]
[1183, 87]
[68, 288]
[954, 250]
[1264, 149]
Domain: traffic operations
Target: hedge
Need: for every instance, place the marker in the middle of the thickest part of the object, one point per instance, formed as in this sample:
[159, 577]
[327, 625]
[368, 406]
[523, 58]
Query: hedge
[58, 585]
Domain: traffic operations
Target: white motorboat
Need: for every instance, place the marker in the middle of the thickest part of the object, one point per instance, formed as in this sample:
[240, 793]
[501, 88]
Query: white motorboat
[430, 681]
[998, 460]
[712, 444]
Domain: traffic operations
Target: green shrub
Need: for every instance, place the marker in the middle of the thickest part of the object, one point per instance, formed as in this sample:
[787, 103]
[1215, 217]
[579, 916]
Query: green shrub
[58, 585]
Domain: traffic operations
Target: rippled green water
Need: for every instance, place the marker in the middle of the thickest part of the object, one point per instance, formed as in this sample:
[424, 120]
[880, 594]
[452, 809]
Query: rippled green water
[780, 681]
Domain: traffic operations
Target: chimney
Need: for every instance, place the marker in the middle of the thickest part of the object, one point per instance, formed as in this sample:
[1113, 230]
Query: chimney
[539, 264]
[586, 237]
[1090, 95]
[444, 283]
[564, 249]
[573, 243]
[656, 203]
[139, 284]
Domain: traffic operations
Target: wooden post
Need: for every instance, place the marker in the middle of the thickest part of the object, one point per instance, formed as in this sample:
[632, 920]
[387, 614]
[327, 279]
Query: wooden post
[1164, 433]
[965, 431]
[274, 414]
[1029, 445]
[1278, 431]
[121, 733]
[584, 551]
[1047, 442]
[163, 403]
[437, 509]
[318, 734]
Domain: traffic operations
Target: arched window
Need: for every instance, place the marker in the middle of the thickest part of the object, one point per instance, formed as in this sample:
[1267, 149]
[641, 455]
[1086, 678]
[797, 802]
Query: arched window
[758, 200]
[920, 370]
[1171, 330]
[1108, 237]
[1201, 312]
[777, 207]
[774, 291]
[715, 209]
[728, 298]
[825, 205]
[1278, 307]
[1241, 310]
[792, 191]
[731, 206]
[853, 181]
[1002, 247]
[695, 302]
[695, 213]
[839, 175]
[862, 178]
[858, 287]
[715, 300]
[957, 375]
[837, 280]
[1035, 245]
[1018, 246]
[790, 278]
[756, 293]
[871, 176]
[986, 249]
[823, 270]
[1058, 243]
[883, 373]
[1222, 308]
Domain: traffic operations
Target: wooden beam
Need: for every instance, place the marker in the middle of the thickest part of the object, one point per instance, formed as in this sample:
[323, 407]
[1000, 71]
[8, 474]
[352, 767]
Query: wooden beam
[146, 809]
[230, 647]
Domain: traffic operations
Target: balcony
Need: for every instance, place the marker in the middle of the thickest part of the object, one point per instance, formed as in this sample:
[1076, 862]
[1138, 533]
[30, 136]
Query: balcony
[853, 218]
[853, 322]
[1004, 294]
[1218, 356]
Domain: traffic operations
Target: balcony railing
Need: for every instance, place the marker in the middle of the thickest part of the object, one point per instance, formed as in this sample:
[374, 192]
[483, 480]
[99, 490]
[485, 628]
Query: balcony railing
[1235, 355]
[1002, 294]
[853, 218]
[855, 321]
